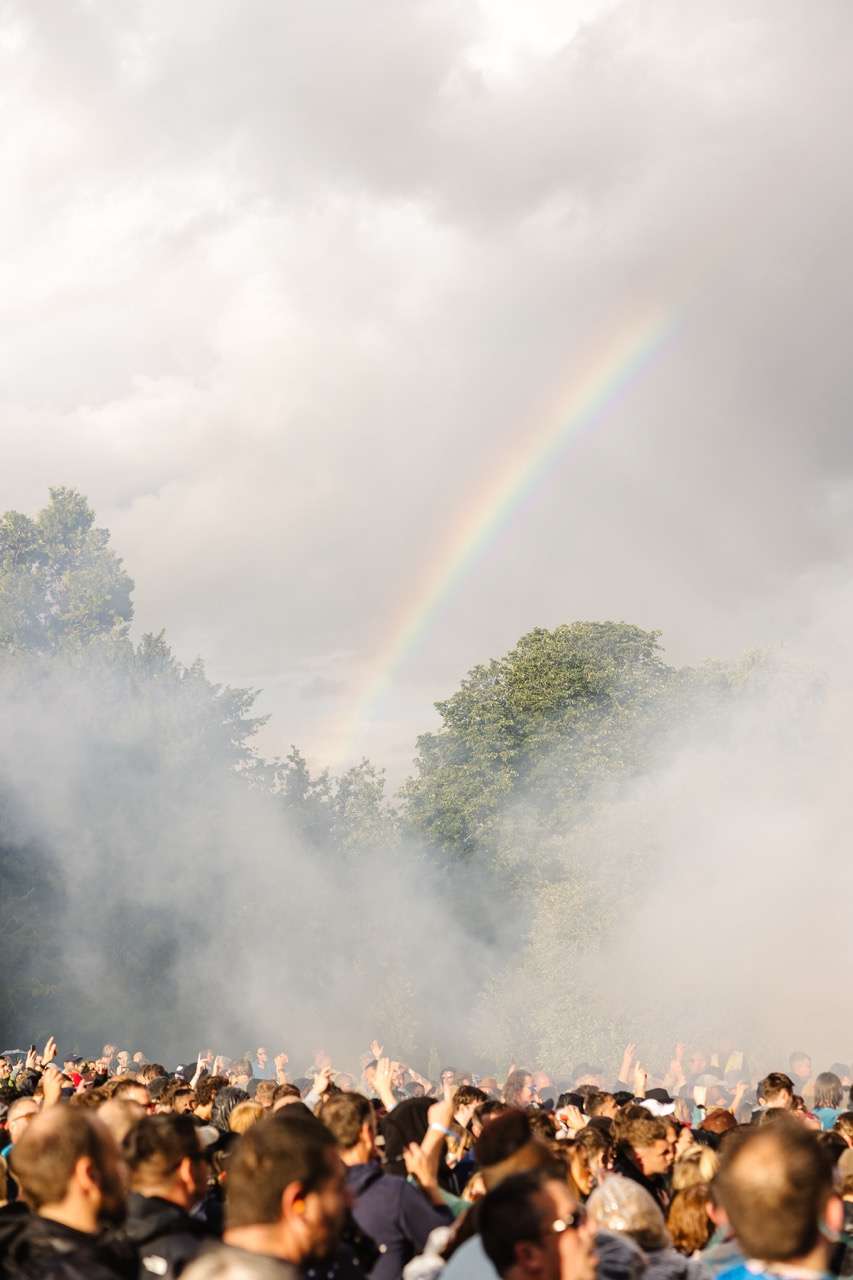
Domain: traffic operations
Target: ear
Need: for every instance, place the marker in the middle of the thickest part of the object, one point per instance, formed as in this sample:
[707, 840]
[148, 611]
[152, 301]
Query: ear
[86, 1176]
[529, 1257]
[293, 1200]
[833, 1214]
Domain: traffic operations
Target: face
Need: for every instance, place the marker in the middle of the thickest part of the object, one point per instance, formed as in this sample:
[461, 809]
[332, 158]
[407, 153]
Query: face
[262, 1057]
[5, 1069]
[696, 1062]
[182, 1103]
[527, 1093]
[569, 1253]
[23, 1115]
[656, 1158]
[801, 1068]
[448, 1077]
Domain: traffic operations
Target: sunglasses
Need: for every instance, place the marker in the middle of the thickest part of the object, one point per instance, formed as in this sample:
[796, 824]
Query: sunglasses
[571, 1223]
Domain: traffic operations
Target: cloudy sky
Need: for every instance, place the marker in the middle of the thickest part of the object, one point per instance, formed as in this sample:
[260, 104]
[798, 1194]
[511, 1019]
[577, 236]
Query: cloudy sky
[285, 285]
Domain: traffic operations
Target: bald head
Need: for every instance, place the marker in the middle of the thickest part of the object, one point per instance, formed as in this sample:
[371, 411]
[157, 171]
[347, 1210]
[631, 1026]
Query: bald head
[774, 1185]
[67, 1156]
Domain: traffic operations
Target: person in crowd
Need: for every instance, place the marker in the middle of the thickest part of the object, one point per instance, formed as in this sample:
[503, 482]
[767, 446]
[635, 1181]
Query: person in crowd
[533, 1228]
[623, 1206]
[688, 1222]
[828, 1097]
[644, 1154]
[285, 1194]
[244, 1115]
[69, 1171]
[776, 1091]
[168, 1178]
[395, 1214]
[777, 1191]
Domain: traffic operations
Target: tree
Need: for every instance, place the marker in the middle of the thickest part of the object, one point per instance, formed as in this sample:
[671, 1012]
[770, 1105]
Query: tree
[545, 723]
[60, 583]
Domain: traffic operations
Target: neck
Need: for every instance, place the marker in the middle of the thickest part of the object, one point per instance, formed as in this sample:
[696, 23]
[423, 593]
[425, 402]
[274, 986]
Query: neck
[361, 1153]
[814, 1262]
[80, 1217]
[174, 1195]
[264, 1238]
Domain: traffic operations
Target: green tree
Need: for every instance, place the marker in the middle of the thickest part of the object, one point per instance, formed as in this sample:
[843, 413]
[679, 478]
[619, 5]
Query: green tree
[546, 722]
[60, 583]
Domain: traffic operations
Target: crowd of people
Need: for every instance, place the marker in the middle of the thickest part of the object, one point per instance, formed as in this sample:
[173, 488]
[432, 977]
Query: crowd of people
[229, 1169]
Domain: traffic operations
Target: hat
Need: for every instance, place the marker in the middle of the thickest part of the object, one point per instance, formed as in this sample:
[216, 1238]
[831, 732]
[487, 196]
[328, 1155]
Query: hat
[658, 1102]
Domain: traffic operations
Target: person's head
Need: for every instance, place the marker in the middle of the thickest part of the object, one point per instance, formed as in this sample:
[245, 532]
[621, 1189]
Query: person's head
[800, 1065]
[696, 1165]
[532, 1228]
[68, 1168]
[601, 1104]
[697, 1062]
[205, 1095]
[261, 1056]
[120, 1115]
[687, 1221]
[224, 1264]
[240, 1073]
[151, 1071]
[20, 1114]
[519, 1090]
[776, 1090]
[226, 1100]
[177, 1097]
[589, 1158]
[132, 1091]
[828, 1090]
[650, 1143]
[352, 1120]
[244, 1115]
[845, 1174]
[447, 1079]
[265, 1093]
[718, 1121]
[775, 1186]
[624, 1207]
[285, 1192]
[844, 1126]
[507, 1145]
[466, 1099]
[165, 1159]
[285, 1095]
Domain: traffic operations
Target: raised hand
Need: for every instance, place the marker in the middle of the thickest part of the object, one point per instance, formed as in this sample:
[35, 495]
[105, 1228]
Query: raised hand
[375, 1048]
[419, 1166]
[51, 1086]
[49, 1051]
[641, 1077]
[628, 1058]
[322, 1080]
[218, 1065]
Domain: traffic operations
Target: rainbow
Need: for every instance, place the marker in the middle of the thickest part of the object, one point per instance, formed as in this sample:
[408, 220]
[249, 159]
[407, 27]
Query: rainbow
[582, 402]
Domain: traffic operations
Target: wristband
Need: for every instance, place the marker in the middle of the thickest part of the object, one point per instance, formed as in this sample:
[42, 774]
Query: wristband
[439, 1128]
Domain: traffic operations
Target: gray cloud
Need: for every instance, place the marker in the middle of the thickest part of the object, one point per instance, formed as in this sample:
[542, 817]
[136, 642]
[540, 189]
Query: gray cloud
[284, 283]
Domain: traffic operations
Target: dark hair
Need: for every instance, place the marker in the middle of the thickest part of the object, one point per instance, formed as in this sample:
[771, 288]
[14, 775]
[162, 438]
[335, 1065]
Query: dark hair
[44, 1159]
[595, 1101]
[151, 1071]
[774, 1084]
[501, 1139]
[833, 1146]
[828, 1090]
[718, 1121]
[345, 1115]
[509, 1215]
[515, 1082]
[269, 1157]
[207, 1089]
[286, 1091]
[226, 1100]
[468, 1093]
[156, 1146]
[773, 1185]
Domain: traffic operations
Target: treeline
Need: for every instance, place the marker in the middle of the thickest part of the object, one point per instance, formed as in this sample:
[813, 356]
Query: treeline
[140, 846]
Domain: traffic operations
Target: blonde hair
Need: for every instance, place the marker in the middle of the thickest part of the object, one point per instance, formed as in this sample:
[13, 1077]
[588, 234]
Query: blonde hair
[244, 1115]
[697, 1164]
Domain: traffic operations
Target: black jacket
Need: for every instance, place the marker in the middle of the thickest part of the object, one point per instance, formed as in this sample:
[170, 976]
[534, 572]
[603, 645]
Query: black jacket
[34, 1248]
[657, 1186]
[164, 1237]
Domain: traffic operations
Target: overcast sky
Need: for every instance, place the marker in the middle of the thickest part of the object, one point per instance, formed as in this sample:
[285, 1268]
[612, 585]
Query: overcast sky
[284, 282]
